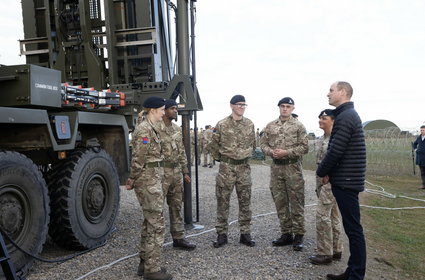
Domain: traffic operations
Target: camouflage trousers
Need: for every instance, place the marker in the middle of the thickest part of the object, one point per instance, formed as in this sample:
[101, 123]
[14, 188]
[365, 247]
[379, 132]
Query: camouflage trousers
[192, 156]
[233, 176]
[148, 188]
[287, 189]
[207, 160]
[172, 186]
[328, 223]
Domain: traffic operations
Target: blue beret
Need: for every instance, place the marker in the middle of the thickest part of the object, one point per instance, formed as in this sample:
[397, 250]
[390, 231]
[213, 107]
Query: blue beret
[286, 100]
[237, 98]
[170, 103]
[154, 102]
[327, 112]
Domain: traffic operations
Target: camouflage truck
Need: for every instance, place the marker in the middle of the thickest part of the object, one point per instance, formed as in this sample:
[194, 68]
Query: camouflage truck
[66, 115]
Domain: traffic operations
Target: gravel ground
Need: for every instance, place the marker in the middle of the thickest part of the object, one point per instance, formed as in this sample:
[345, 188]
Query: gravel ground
[118, 258]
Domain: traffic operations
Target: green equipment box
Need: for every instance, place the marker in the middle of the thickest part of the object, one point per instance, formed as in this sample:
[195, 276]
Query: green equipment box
[30, 86]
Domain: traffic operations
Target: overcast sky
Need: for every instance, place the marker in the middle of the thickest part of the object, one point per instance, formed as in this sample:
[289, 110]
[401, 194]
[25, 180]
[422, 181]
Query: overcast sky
[270, 49]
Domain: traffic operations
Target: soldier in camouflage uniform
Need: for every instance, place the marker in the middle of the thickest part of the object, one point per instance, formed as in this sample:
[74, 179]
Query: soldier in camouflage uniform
[192, 146]
[232, 144]
[146, 180]
[175, 170]
[207, 138]
[200, 144]
[285, 140]
[328, 219]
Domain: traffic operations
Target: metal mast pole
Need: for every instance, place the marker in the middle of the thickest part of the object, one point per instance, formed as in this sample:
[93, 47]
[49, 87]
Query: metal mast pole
[184, 69]
[195, 90]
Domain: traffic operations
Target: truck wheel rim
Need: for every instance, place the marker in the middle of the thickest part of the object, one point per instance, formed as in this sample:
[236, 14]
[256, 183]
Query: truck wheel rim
[14, 208]
[94, 198]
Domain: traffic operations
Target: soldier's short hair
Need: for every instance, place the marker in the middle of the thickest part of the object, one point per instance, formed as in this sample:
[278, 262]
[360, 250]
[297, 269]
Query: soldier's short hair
[422, 126]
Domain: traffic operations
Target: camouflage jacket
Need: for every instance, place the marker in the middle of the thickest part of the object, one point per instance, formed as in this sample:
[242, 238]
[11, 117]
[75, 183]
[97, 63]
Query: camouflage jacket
[146, 145]
[233, 138]
[288, 135]
[201, 138]
[321, 148]
[172, 144]
[324, 192]
[192, 137]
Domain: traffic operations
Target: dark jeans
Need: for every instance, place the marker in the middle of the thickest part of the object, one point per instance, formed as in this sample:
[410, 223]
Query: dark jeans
[422, 168]
[348, 204]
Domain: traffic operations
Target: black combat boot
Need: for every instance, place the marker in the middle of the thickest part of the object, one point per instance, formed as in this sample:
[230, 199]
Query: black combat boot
[246, 239]
[157, 276]
[221, 240]
[141, 268]
[321, 259]
[298, 242]
[285, 239]
[183, 244]
[343, 276]
[337, 256]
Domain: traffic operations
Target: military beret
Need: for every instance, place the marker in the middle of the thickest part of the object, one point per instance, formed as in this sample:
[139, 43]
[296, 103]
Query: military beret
[237, 98]
[327, 112]
[170, 103]
[154, 102]
[294, 115]
[286, 100]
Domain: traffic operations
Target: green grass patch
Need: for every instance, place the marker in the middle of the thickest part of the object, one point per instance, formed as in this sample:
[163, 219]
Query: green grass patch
[397, 235]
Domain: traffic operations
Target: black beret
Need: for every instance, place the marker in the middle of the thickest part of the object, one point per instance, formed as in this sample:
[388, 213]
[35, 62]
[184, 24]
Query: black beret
[170, 103]
[294, 115]
[327, 112]
[154, 102]
[286, 100]
[237, 98]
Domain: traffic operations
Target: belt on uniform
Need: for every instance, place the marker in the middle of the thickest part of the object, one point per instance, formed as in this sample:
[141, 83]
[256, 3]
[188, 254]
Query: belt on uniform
[169, 164]
[285, 161]
[154, 164]
[233, 161]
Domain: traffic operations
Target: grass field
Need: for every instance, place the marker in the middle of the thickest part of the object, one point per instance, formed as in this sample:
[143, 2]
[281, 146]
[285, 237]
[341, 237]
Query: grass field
[398, 235]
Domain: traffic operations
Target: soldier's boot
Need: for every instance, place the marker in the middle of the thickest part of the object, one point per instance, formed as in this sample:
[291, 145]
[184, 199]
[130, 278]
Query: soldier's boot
[321, 259]
[298, 242]
[285, 239]
[343, 276]
[183, 244]
[141, 268]
[157, 276]
[337, 256]
[221, 240]
[246, 239]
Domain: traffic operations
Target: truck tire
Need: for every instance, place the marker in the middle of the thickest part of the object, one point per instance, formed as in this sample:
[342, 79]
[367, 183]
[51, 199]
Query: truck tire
[24, 207]
[84, 194]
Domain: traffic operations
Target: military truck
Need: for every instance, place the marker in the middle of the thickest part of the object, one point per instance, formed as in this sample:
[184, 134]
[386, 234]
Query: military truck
[66, 115]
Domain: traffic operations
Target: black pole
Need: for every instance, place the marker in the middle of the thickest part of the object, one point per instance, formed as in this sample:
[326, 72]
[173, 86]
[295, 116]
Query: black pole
[195, 90]
[195, 129]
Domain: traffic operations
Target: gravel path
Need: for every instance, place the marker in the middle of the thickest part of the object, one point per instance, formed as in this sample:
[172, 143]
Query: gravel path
[118, 258]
